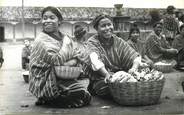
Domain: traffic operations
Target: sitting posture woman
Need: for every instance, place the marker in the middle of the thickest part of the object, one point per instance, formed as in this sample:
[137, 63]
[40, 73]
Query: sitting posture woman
[105, 53]
[53, 48]
[79, 41]
[157, 47]
[178, 43]
[138, 45]
[26, 52]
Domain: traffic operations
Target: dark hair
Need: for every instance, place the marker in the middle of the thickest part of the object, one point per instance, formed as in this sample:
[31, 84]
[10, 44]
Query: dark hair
[156, 23]
[181, 27]
[53, 10]
[98, 18]
[170, 9]
[79, 31]
[133, 28]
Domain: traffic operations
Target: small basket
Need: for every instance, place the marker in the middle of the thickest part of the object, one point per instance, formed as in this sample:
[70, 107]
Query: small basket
[67, 72]
[25, 75]
[137, 93]
[163, 68]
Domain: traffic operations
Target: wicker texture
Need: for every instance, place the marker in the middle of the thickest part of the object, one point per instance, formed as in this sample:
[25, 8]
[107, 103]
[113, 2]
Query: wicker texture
[67, 72]
[164, 68]
[26, 76]
[137, 93]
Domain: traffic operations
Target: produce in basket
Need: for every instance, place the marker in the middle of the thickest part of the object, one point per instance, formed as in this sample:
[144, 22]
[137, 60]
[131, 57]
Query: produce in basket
[122, 76]
[142, 75]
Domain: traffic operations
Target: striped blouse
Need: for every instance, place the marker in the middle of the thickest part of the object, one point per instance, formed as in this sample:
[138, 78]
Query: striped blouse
[119, 56]
[46, 53]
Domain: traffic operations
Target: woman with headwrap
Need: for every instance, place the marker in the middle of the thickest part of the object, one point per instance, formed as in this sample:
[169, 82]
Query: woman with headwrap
[138, 45]
[105, 53]
[53, 48]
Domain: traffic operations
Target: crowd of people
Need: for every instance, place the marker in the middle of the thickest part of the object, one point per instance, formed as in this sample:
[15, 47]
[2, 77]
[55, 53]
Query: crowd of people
[99, 56]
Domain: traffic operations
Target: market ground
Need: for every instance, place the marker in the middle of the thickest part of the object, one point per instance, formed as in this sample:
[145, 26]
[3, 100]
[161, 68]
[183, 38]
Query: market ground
[15, 99]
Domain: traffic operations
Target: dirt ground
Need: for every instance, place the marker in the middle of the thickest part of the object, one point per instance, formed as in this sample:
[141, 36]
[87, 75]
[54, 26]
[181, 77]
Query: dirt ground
[15, 99]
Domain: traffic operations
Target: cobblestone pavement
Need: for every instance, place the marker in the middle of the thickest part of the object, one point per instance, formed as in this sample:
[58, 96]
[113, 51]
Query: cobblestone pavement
[15, 99]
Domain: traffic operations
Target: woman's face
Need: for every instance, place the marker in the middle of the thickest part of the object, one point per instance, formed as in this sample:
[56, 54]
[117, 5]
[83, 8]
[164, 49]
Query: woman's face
[135, 35]
[50, 22]
[105, 28]
[158, 29]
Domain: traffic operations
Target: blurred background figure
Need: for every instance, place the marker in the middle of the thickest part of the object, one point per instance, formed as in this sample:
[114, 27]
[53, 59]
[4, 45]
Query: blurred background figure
[135, 42]
[79, 39]
[170, 24]
[79, 35]
[26, 51]
[1, 57]
[178, 43]
[157, 47]
[181, 20]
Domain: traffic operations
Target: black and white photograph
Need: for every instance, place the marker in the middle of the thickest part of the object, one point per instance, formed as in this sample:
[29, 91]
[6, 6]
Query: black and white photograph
[91, 57]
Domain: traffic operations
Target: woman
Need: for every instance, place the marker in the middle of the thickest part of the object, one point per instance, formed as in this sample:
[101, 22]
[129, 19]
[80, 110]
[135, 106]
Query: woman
[53, 48]
[26, 52]
[105, 53]
[79, 40]
[170, 24]
[178, 43]
[157, 47]
[138, 45]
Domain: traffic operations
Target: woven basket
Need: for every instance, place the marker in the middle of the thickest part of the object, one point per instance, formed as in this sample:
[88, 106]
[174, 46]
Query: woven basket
[26, 76]
[164, 68]
[137, 93]
[66, 72]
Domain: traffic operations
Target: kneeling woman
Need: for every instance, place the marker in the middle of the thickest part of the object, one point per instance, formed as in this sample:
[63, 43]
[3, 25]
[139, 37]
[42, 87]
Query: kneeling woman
[53, 48]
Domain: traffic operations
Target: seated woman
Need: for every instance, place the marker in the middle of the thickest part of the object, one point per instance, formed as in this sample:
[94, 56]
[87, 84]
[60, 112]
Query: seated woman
[178, 43]
[26, 51]
[105, 53]
[138, 45]
[53, 48]
[157, 47]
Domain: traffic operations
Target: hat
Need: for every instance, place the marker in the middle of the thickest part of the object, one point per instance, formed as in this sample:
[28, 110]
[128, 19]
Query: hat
[79, 31]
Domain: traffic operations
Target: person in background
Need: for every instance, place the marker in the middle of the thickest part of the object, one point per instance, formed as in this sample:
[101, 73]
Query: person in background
[181, 20]
[26, 52]
[105, 54]
[157, 47]
[170, 24]
[138, 45]
[79, 40]
[79, 35]
[53, 48]
[1, 57]
[178, 43]
[178, 14]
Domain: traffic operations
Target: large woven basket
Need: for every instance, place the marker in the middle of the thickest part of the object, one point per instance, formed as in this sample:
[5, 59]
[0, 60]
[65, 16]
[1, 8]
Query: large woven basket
[67, 72]
[137, 93]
